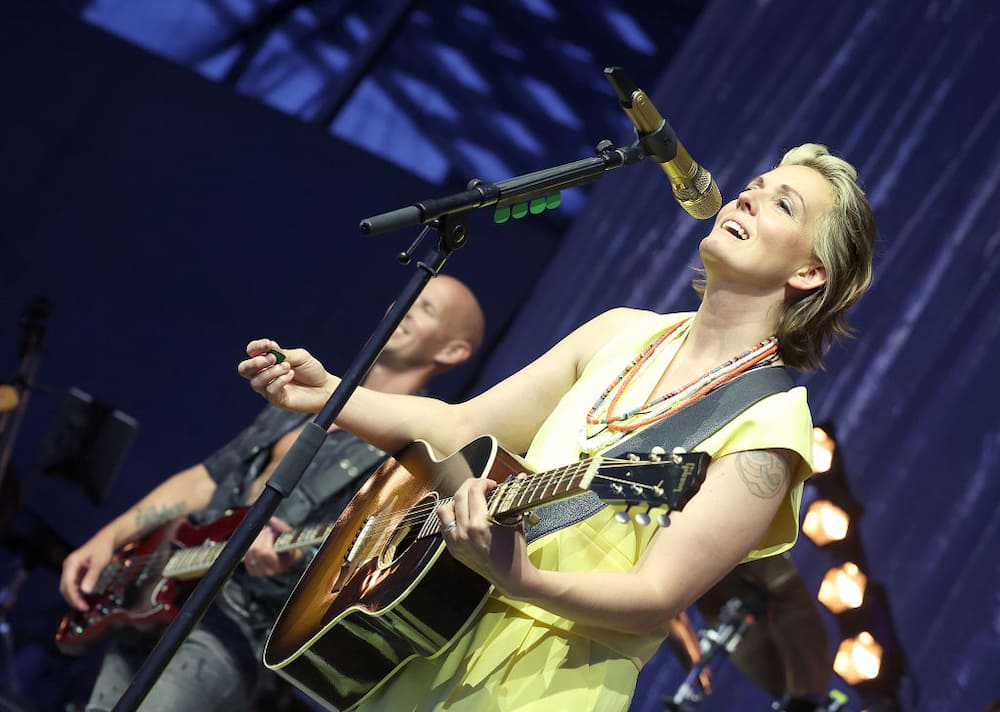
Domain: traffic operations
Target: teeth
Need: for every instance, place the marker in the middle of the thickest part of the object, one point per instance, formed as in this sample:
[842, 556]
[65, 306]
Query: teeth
[735, 228]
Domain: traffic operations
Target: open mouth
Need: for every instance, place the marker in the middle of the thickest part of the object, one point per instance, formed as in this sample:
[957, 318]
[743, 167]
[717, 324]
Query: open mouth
[735, 229]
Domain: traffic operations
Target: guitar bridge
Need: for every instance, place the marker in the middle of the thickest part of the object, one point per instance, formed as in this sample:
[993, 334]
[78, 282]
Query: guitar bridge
[359, 540]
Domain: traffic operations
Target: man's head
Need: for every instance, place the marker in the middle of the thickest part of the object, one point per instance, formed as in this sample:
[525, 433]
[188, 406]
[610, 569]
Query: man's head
[442, 329]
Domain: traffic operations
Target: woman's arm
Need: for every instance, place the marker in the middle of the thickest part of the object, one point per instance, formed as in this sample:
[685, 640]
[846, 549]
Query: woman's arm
[705, 541]
[512, 410]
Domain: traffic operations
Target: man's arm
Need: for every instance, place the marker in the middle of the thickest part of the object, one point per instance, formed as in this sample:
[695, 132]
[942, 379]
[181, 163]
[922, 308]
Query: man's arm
[187, 491]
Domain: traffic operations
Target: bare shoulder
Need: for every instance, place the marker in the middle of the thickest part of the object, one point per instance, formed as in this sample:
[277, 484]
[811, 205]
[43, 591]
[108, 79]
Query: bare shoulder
[606, 325]
[622, 317]
[596, 333]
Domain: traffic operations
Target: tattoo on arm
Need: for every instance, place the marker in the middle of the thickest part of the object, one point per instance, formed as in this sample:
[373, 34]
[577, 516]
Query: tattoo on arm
[764, 473]
[149, 517]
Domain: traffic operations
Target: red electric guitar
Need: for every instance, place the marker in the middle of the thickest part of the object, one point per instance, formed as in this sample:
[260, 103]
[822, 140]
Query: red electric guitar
[146, 581]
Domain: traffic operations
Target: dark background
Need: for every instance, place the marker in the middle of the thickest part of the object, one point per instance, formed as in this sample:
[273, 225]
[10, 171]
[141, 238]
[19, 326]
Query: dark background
[181, 177]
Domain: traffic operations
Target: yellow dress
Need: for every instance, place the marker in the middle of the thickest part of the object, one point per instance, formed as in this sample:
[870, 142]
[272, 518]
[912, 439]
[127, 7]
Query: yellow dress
[521, 657]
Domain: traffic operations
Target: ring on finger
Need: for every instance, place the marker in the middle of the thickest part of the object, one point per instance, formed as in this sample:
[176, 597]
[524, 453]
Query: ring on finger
[448, 527]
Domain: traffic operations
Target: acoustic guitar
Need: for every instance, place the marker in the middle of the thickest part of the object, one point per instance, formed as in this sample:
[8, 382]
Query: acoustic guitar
[383, 589]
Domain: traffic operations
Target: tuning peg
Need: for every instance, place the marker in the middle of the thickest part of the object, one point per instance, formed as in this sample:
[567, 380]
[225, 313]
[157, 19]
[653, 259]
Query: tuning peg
[657, 453]
[663, 520]
[642, 518]
[677, 454]
[632, 457]
[622, 517]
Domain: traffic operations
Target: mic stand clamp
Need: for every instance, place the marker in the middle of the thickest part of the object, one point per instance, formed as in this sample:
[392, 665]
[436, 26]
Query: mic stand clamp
[734, 620]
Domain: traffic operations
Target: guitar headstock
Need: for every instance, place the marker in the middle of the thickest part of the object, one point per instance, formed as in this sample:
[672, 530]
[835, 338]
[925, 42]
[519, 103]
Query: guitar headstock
[636, 483]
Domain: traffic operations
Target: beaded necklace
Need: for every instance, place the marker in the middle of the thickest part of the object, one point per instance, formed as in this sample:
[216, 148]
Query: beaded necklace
[616, 426]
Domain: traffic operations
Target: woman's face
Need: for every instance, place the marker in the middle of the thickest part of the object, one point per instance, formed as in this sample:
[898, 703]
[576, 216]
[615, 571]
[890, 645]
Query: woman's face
[763, 240]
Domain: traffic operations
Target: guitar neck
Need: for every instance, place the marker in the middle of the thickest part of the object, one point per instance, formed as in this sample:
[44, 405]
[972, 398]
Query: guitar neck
[195, 561]
[660, 481]
[516, 496]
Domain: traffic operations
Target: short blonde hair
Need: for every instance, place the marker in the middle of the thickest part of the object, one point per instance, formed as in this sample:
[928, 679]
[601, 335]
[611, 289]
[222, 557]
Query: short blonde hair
[845, 244]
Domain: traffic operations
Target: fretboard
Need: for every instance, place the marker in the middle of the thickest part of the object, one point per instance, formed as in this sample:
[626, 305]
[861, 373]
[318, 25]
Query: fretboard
[195, 561]
[516, 496]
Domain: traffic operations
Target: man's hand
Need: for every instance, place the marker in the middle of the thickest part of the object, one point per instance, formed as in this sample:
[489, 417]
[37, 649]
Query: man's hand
[82, 568]
[261, 558]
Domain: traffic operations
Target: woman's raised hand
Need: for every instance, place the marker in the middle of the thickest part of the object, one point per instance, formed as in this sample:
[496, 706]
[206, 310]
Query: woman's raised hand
[288, 378]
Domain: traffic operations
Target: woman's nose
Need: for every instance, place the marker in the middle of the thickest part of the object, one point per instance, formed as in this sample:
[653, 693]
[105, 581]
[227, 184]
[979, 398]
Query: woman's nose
[747, 201]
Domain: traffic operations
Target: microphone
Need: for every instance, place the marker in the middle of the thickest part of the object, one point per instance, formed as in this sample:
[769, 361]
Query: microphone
[693, 186]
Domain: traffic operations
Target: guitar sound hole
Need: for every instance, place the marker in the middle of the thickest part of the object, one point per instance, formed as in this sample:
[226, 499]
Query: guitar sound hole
[409, 529]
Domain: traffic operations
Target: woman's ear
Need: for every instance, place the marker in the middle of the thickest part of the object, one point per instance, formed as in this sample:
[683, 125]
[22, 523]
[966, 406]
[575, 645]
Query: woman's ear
[808, 277]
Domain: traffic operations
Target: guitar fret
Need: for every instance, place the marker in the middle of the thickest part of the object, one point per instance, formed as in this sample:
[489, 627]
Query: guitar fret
[545, 482]
[532, 495]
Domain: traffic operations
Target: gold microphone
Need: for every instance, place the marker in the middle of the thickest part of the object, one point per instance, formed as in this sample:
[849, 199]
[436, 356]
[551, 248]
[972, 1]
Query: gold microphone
[693, 186]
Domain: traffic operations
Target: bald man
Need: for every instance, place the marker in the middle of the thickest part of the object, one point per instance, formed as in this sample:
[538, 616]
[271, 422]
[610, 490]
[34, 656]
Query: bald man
[218, 665]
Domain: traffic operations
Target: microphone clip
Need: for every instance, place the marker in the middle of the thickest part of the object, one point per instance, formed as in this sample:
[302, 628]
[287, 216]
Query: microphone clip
[659, 144]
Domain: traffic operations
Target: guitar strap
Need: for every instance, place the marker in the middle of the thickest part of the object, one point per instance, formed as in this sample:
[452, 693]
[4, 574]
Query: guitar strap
[686, 428]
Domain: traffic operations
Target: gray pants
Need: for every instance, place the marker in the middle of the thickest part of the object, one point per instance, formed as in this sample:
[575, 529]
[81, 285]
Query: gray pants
[216, 667]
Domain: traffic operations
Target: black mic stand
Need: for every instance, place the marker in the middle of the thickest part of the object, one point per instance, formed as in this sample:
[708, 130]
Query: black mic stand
[450, 217]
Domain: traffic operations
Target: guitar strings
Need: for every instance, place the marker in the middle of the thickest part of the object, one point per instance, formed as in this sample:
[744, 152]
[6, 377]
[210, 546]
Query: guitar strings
[422, 512]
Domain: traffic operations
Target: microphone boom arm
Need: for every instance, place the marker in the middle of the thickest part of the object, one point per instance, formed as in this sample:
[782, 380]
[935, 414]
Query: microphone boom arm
[518, 189]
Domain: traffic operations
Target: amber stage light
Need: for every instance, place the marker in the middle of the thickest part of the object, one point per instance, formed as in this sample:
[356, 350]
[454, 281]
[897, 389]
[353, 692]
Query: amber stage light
[858, 659]
[843, 588]
[825, 522]
[823, 449]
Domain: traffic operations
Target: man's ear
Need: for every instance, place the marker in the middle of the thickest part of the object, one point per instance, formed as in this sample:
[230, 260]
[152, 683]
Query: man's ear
[808, 277]
[453, 353]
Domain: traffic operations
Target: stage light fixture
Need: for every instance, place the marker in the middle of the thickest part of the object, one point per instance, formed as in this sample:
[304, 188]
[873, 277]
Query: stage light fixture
[825, 522]
[858, 659]
[843, 588]
[823, 449]
[870, 658]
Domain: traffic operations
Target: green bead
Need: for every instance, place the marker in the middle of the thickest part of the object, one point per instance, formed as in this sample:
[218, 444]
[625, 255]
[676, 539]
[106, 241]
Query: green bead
[537, 206]
[501, 215]
[519, 210]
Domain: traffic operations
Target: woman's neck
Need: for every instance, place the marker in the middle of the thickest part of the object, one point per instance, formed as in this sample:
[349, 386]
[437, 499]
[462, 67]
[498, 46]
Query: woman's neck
[726, 323]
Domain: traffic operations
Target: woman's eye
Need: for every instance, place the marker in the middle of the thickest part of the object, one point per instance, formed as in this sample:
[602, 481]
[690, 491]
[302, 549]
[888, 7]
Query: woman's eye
[786, 205]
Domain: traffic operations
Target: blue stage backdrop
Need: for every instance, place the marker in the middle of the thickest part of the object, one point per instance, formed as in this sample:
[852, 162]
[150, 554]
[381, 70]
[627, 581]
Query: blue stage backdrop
[171, 219]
